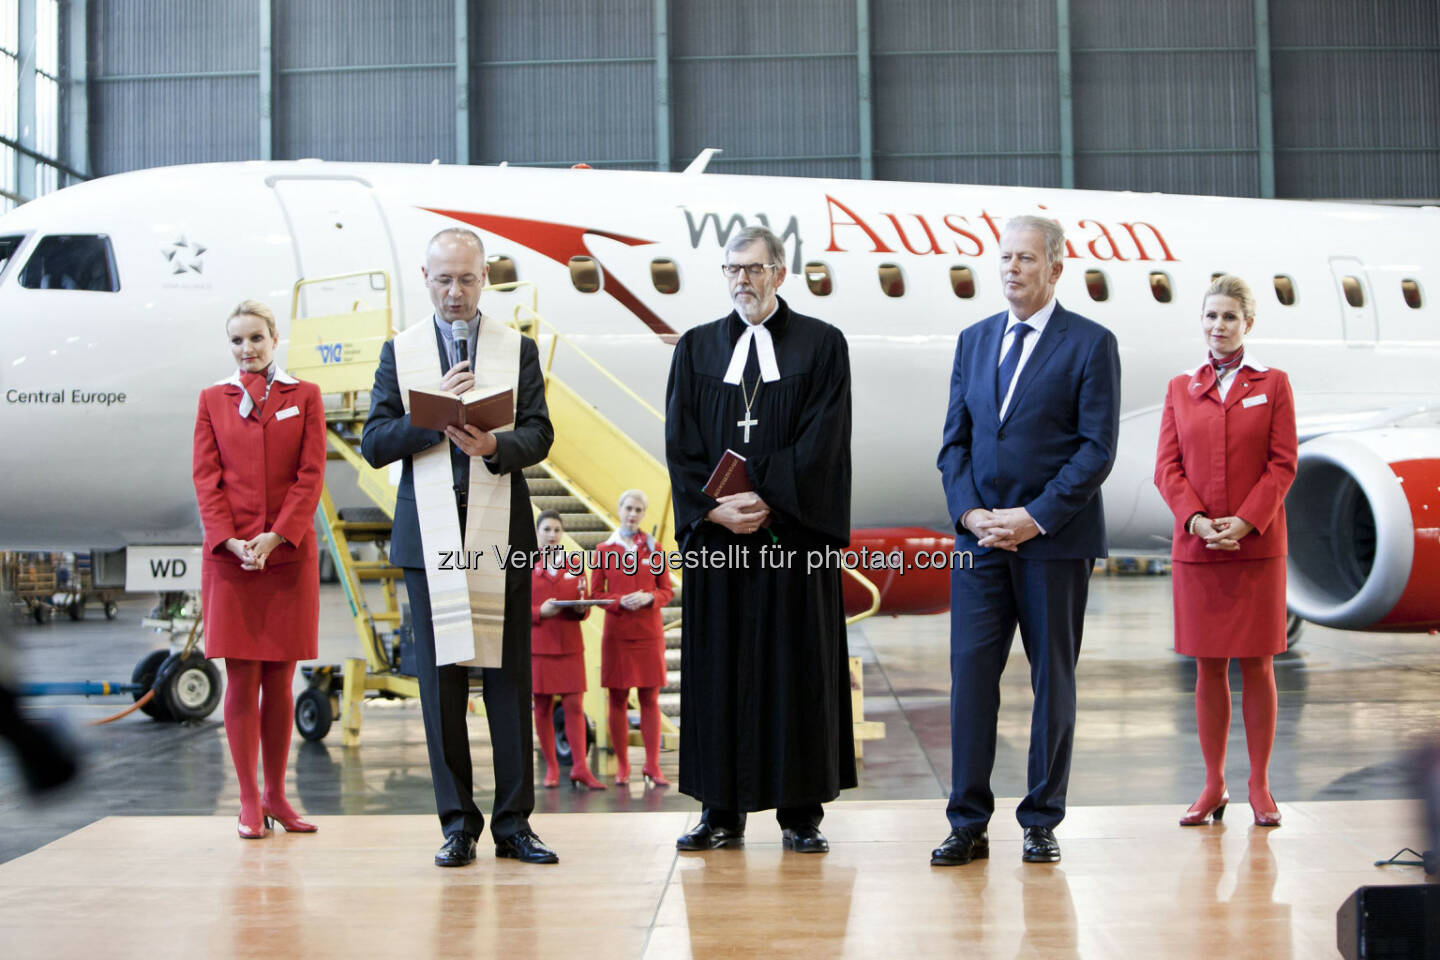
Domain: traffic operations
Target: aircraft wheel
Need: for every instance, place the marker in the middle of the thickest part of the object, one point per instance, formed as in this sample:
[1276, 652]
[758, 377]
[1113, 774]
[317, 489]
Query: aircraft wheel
[192, 690]
[1293, 626]
[313, 713]
[40, 613]
[112, 610]
[76, 609]
[144, 674]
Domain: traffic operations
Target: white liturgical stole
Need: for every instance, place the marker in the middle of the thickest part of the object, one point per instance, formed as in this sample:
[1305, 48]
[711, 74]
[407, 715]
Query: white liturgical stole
[467, 607]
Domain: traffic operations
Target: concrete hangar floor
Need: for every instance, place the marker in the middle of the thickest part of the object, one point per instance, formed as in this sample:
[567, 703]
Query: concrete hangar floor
[141, 857]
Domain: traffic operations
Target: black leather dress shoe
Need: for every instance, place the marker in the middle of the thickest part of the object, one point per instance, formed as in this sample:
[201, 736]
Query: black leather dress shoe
[525, 847]
[1040, 846]
[706, 837]
[963, 845]
[459, 850]
[805, 840]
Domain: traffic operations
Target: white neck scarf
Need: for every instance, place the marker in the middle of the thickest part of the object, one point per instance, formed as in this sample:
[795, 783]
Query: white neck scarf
[765, 348]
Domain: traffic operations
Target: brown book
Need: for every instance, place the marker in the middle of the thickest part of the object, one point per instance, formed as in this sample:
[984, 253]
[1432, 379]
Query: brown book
[483, 408]
[728, 477]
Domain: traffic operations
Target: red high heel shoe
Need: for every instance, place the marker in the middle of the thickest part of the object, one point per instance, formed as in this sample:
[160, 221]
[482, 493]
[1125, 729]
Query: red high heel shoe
[1270, 816]
[252, 833]
[552, 779]
[655, 778]
[585, 781]
[622, 774]
[1195, 817]
[292, 824]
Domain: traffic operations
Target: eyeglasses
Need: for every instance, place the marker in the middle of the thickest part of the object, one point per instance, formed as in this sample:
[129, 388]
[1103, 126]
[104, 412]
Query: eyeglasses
[752, 270]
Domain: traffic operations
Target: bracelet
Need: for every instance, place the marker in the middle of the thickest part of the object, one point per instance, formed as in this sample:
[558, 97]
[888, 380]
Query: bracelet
[1190, 524]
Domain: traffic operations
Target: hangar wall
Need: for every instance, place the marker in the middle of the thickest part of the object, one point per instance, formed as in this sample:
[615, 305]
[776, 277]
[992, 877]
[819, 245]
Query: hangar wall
[1296, 98]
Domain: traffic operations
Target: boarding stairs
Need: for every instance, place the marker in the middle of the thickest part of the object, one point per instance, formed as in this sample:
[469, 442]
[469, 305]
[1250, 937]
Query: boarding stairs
[338, 325]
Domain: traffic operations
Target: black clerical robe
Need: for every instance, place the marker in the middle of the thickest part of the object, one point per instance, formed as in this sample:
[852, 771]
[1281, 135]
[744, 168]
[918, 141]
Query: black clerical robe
[765, 715]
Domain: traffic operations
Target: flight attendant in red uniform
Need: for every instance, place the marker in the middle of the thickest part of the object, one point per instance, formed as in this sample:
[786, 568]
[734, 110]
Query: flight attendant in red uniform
[632, 651]
[1226, 458]
[258, 469]
[557, 655]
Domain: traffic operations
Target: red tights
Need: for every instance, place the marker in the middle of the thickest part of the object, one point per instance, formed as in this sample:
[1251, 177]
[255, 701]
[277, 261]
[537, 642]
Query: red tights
[258, 714]
[649, 731]
[1212, 716]
[574, 732]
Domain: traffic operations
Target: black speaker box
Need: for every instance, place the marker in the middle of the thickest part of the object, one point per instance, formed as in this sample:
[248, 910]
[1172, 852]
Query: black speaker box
[1390, 923]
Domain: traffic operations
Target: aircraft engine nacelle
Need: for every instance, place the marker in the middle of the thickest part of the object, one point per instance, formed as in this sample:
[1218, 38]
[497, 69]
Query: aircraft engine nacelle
[910, 566]
[1364, 524]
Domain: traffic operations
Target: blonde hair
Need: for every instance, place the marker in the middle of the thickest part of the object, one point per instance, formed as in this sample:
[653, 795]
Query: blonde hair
[1229, 285]
[253, 308]
[633, 495]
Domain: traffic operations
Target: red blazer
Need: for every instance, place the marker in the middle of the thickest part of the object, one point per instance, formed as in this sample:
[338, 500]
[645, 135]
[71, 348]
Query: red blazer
[253, 475]
[608, 581]
[1235, 458]
[561, 633]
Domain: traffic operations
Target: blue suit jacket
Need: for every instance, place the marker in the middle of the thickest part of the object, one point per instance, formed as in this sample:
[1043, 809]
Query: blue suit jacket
[1056, 444]
[388, 436]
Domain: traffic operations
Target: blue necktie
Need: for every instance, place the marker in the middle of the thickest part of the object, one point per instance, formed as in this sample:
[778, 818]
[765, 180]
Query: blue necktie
[1011, 363]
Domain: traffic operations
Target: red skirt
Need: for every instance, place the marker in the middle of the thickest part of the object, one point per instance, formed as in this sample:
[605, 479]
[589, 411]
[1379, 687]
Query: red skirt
[1229, 608]
[270, 614]
[632, 663]
[557, 672]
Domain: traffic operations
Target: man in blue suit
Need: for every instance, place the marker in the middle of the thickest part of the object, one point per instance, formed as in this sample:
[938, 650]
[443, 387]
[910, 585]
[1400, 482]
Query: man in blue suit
[1029, 437]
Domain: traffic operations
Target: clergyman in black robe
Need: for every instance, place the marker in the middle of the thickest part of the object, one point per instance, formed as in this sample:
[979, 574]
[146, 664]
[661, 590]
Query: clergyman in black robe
[765, 717]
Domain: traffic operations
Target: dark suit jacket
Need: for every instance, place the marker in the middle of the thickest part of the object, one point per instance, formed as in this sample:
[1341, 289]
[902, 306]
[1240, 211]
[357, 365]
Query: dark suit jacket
[1056, 444]
[388, 436]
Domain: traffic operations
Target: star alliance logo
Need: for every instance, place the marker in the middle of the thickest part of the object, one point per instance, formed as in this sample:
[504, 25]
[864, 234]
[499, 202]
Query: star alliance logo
[184, 256]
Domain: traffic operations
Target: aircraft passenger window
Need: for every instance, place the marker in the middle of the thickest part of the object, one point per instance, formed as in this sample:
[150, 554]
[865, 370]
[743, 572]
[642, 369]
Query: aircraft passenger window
[892, 280]
[1354, 293]
[585, 274]
[8, 246]
[1160, 287]
[1411, 289]
[665, 275]
[71, 263]
[502, 269]
[817, 278]
[962, 281]
[1284, 290]
[1095, 283]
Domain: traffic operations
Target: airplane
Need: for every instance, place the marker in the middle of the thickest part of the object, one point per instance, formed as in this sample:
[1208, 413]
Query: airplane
[113, 295]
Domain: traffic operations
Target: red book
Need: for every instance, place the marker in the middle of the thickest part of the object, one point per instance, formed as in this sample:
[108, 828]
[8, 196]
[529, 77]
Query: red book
[728, 477]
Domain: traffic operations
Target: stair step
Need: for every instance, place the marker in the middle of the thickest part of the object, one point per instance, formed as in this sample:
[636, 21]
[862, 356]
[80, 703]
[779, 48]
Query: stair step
[589, 539]
[670, 705]
[545, 487]
[560, 504]
[672, 659]
[537, 472]
[583, 521]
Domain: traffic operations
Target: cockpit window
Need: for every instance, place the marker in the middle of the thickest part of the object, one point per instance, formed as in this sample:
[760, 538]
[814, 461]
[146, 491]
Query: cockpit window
[8, 246]
[72, 262]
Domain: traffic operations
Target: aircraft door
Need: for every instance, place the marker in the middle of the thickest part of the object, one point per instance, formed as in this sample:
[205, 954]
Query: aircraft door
[338, 228]
[1357, 302]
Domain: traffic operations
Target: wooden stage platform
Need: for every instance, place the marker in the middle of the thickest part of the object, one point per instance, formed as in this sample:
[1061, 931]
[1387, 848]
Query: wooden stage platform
[1132, 884]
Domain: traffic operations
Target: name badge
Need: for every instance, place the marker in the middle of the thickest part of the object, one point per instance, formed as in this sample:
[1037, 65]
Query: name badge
[289, 412]
[1254, 401]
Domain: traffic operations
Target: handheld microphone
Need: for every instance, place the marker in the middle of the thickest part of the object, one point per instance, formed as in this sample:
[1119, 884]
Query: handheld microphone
[460, 330]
